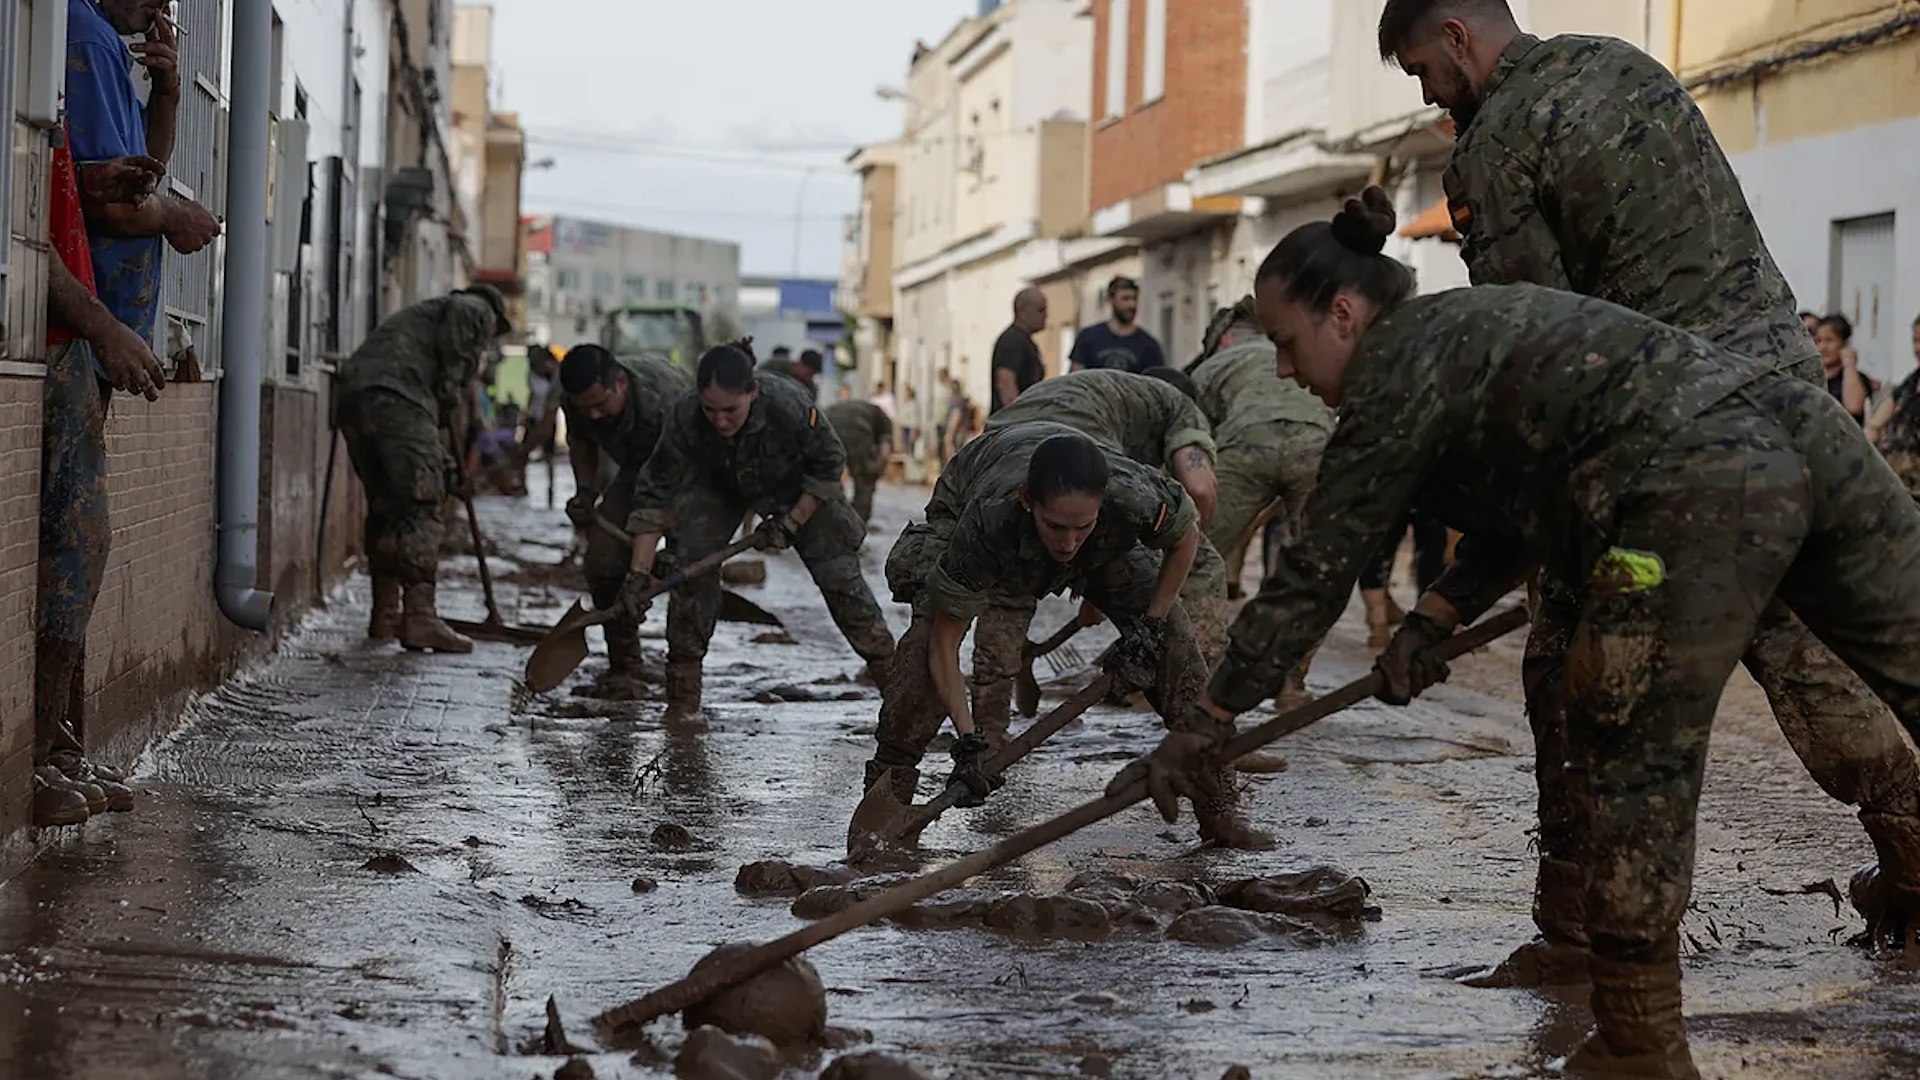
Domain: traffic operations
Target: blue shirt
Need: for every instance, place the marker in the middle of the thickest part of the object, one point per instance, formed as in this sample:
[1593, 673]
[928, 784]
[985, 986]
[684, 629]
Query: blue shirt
[105, 120]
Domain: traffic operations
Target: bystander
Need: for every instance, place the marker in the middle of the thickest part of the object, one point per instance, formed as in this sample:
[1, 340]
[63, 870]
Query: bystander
[1845, 381]
[1894, 426]
[1119, 341]
[1016, 359]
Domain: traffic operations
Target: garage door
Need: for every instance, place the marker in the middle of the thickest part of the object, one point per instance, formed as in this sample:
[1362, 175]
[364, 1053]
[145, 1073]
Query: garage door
[1863, 292]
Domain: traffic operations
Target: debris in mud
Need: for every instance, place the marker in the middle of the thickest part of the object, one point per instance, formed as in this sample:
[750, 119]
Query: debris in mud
[786, 1004]
[1174, 897]
[712, 1054]
[872, 1065]
[777, 877]
[474, 842]
[553, 1038]
[961, 909]
[1197, 1006]
[644, 885]
[1237, 1072]
[839, 1038]
[774, 637]
[555, 909]
[389, 862]
[1096, 1065]
[785, 693]
[744, 572]
[1863, 887]
[1321, 891]
[671, 837]
[1050, 916]
[575, 1069]
[1231, 926]
[824, 900]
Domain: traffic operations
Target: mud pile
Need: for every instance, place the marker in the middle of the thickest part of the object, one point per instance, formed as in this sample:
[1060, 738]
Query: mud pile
[777, 877]
[787, 1005]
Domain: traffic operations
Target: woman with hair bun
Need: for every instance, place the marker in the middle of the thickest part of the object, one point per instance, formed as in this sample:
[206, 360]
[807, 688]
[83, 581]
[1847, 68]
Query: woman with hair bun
[1673, 482]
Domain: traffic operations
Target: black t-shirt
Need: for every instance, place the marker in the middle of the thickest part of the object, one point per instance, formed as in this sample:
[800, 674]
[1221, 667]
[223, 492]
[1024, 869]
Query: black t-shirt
[1097, 346]
[1015, 351]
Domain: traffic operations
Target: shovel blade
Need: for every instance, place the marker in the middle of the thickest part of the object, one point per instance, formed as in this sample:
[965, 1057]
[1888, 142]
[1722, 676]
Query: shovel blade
[559, 653]
[877, 820]
[1026, 689]
[738, 609]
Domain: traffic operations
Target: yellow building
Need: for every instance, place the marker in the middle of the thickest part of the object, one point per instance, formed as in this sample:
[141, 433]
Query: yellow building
[1817, 103]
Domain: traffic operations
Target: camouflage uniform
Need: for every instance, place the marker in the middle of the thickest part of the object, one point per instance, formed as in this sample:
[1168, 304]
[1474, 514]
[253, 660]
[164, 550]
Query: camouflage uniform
[397, 395]
[1677, 481]
[977, 557]
[867, 435]
[785, 369]
[697, 487]
[626, 441]
[1270, 433]
[1589, 168]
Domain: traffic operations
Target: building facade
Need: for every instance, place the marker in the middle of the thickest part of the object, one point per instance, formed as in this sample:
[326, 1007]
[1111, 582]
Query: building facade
[488, 154]
[579, 270]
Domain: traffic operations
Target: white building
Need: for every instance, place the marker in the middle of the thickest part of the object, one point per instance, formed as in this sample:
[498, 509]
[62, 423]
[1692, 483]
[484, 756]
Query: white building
[579, 270]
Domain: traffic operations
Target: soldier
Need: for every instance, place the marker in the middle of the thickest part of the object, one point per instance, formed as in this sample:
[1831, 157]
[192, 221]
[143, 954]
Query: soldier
[867, 435]
[741, 443]
[400, 398]
[1677, 482]
[1582, 164]
[1024, 511]
[805, 370]
[616, 409]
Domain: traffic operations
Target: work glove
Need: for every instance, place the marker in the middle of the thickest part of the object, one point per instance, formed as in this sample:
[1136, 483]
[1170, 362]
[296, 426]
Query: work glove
[776, 533]
[636, 594]
[1185, 765]
[580, 508]
[969, 753]
[1136, 661]
[1407, 667]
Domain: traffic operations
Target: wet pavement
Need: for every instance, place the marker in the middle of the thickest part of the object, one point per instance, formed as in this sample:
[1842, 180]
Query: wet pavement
[356, 861]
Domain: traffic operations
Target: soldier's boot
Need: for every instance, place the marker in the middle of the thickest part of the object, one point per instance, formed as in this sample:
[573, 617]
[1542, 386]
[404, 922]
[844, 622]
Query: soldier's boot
[1638, 1029]
[1222, 821]
[683, 693]
[1559, 955]
[421, 627]
[55, 802]
[384, 623]
[906, 780]
[94, 795]
[113, 787]
[1292, 696]
[624, 679]
[1886, 892]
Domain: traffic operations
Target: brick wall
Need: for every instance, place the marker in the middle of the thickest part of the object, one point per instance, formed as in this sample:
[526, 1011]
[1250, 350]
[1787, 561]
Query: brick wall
[19, 561]
[1202, 113]
[293, 480]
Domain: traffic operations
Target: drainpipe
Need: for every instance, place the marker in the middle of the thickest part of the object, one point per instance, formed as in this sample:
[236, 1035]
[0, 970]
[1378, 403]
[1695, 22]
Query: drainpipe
[243, 324]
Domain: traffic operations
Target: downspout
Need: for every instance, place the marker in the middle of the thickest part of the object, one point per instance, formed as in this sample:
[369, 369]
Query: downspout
[243, 324]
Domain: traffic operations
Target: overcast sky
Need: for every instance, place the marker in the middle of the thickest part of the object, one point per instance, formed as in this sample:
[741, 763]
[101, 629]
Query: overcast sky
[703, 116]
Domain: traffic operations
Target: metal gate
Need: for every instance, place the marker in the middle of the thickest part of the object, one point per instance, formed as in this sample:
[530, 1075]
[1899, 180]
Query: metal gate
[1863, 279]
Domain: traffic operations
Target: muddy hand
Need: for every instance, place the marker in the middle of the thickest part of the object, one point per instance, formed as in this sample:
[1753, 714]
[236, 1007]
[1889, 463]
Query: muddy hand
[1407, 667]
[580, 509]
[968, 752]
[1136, 661]
[1182, 766]
[775, 534]
[128, 180]
[636, 594]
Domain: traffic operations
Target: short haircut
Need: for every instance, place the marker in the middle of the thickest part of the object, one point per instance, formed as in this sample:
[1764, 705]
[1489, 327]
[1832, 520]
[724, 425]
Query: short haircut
[1067, 464]
[726, 367]
[1841, 325]
[1120, 283]
[586, 366]
[1403, 21]
[1175, 378]
[812, 359]
[781, 352]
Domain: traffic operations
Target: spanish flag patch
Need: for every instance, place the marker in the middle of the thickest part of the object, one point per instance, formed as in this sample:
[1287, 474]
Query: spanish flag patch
[813, 417]
[1461, 213]
[1161, 521]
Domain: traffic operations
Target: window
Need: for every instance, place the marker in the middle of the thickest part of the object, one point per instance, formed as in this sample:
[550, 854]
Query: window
[1117, 15]
[569, 280]
[663, 290]
[1153, 72]
[636, 287]
[602, 283]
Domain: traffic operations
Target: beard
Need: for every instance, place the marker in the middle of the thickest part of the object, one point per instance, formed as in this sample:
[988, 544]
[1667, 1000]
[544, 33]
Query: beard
[1124, 317]
[1466, 101]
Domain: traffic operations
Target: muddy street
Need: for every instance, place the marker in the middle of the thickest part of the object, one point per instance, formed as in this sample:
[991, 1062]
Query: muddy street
[357, 861]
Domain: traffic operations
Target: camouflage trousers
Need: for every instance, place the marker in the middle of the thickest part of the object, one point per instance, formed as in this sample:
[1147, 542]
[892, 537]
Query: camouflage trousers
[866, 476]
[400, 454]
[608, 556]
[75, 535]
[1275, 462]
[703, 523]
[1774, 498]
[911, 711]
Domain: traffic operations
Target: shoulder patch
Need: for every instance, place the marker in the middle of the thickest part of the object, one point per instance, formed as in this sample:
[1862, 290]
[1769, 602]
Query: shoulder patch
[1461, 213]
[813, 417]
[1160, 521]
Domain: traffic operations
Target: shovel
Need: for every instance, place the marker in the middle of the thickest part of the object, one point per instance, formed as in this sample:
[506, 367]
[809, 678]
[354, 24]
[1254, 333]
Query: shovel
[495, 628]
[734, 608]
[880, 820]
[1026, 689]
[737, 968]
[563, 647]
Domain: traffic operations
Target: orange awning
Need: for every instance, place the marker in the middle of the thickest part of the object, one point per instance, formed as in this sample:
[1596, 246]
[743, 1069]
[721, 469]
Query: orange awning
[1435, 220]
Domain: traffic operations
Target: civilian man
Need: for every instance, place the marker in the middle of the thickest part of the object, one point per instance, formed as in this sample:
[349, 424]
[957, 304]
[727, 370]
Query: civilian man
[1016, 359]
[1119, 342]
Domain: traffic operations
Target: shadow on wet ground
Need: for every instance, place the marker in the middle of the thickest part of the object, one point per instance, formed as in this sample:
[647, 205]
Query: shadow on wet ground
[356, 861]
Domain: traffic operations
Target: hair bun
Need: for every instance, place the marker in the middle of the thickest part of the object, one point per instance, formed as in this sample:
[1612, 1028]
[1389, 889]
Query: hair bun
[1364, 224]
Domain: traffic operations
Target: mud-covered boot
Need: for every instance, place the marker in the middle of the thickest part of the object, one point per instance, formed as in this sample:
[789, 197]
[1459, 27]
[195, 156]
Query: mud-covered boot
[1638, 1029]
[116, 795]
[1223, 823]
[421, 627]
[55, 802]
[683, 693]
[1886, 892]
[625, 678]
[94, 794]
[384, 623]
[1558, 956]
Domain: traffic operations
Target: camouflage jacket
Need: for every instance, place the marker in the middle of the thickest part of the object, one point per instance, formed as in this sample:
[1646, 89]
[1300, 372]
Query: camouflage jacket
[1146, 419]
[863, 427]
[784, 369]
[426, 353]
[1589, 168]
[785, 449]
[654, 387]
[1516, 414]
[991, 545]
[1240, 393]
